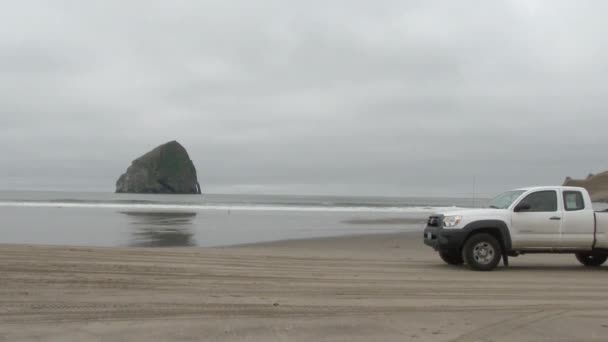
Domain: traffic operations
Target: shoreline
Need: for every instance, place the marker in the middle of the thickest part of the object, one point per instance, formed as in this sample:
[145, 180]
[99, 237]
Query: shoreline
[387, 287]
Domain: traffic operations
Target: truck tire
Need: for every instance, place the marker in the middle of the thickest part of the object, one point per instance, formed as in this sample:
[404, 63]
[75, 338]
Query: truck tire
[451, 258]
[482, 252]
[591, 259]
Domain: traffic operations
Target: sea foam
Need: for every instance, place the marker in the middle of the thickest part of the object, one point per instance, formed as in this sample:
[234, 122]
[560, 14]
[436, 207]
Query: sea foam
[218, 207]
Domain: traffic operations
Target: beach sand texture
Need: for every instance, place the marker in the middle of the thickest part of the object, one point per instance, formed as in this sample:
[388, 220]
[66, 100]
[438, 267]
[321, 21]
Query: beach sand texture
[359, 288]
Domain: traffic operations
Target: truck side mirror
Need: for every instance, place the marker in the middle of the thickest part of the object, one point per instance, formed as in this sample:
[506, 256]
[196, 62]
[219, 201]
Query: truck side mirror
[522, 207]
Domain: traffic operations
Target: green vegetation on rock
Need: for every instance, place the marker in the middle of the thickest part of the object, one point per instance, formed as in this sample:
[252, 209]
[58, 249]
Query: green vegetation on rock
[597, 185]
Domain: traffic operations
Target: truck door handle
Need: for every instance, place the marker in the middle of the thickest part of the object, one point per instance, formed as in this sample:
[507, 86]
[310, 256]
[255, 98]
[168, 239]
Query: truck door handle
[555, 218]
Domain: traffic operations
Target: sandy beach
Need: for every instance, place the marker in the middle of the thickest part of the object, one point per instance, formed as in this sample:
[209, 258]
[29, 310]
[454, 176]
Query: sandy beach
[358, 288]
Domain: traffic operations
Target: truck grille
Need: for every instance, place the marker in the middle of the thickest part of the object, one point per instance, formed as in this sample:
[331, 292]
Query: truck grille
[434, 221]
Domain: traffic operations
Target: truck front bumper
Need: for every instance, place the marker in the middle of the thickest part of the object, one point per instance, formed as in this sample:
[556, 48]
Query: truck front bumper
[444, 239]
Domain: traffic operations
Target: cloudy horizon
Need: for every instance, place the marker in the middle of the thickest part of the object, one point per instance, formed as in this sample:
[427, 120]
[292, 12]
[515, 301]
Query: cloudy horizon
[396, 98]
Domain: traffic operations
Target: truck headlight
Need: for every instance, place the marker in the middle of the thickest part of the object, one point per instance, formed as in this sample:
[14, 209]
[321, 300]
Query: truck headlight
[451, 221]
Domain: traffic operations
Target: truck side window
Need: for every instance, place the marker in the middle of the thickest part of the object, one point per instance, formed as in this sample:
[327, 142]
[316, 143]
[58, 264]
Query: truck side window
[541, 201]
[573, 200]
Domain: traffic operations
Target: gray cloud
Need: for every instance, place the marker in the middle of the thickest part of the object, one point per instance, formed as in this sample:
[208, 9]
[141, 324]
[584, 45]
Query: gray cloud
[350, 97]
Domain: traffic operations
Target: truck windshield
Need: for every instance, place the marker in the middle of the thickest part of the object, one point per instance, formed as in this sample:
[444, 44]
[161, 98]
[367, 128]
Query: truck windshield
[504, 200]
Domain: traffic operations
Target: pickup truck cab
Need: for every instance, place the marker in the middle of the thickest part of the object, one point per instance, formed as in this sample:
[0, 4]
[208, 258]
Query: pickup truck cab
[523, 221]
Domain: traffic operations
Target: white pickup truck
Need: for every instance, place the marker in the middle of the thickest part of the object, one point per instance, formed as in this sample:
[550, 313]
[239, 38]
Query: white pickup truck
[524, 221]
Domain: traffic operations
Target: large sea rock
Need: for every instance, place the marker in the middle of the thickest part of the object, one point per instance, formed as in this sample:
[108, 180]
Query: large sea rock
[597, 185]
[166, 169]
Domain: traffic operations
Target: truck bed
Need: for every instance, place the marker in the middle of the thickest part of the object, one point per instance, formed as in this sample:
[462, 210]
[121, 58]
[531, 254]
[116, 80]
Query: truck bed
[601, 226]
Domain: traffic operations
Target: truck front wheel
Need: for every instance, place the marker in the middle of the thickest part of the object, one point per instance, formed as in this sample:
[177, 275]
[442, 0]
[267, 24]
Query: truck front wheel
[451, 258]
[482, 252]
[590, 259]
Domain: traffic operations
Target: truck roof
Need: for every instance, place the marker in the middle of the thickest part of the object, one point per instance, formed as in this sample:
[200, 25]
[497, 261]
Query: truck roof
[536, 188]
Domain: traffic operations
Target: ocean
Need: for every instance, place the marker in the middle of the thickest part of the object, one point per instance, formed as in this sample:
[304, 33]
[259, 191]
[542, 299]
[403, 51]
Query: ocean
[123, 220]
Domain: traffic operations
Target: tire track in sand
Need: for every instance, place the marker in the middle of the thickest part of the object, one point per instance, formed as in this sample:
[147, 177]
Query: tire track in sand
[503, 329]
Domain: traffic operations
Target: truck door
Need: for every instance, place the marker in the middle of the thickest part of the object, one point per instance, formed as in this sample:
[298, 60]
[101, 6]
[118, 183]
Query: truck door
[578, 222]
[536, 221]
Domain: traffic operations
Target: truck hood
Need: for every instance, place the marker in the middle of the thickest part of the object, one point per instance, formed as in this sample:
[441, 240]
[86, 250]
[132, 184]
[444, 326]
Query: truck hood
[473, 212]
[472, 215]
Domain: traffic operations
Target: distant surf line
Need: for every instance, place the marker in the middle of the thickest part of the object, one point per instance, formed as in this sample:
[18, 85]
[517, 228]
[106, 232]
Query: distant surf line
[215, 207]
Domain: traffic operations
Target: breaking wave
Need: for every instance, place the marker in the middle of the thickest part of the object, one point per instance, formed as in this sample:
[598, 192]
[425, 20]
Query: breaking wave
[149, 205]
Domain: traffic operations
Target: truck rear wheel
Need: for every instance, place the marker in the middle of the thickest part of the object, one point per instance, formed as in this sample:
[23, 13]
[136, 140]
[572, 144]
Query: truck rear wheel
[591, 259]
[451, 258]
[482, 252]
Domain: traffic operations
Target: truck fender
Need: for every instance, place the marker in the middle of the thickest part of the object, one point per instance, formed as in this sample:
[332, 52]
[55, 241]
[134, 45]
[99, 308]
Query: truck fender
[495, 226]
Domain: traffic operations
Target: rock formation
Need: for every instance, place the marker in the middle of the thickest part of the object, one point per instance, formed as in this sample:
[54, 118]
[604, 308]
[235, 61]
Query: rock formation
[165, 170]
[597, 185]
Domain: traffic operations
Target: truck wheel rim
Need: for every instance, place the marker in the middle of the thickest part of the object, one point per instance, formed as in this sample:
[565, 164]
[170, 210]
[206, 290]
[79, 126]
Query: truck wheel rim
[483, 253]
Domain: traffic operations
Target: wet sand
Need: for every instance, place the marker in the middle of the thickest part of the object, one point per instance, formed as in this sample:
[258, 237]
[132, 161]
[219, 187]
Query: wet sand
[359, 288]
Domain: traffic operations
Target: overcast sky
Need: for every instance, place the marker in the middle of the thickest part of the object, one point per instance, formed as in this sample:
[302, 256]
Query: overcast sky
[315, 97]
